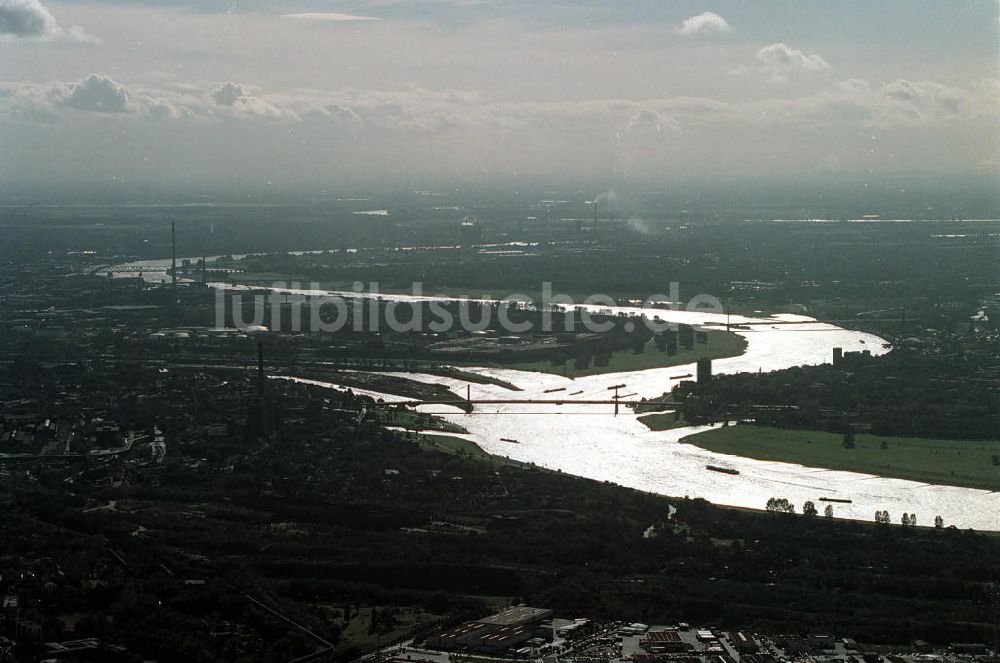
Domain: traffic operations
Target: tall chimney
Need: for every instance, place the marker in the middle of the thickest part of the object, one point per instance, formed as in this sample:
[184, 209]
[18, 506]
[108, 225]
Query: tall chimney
[173, 256]
[595, 213]
[260, 369]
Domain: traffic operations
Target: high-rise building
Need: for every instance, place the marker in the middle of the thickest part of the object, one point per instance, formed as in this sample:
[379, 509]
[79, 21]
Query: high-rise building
[704, 370]
[173, 256]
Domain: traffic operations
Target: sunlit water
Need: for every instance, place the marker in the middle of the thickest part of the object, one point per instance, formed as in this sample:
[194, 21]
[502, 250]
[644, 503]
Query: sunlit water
[590, 441]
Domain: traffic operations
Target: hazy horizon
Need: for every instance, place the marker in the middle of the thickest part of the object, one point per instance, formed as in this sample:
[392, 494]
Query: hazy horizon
[333, 95]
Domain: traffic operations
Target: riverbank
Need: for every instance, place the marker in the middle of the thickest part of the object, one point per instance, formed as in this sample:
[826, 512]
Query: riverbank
[717, 345]
[966, 463]
[660, 421]
[452, 444]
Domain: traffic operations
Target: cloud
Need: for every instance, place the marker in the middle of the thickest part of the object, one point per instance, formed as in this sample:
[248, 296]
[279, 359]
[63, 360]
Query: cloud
[899, 103]
[329, 17]
[704, 22]
[779, 60]
[917, 102]
[633, 125]
[238, 99]
[31, 20]
[646, 134]
[228, 94]
[26, 18]
[226, 101]
[924, 92]
[646, 120]
[191, 129]
[98, 94]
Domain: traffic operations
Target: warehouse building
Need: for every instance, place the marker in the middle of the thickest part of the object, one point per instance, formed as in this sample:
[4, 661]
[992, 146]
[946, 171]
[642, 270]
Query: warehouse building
[497, 633]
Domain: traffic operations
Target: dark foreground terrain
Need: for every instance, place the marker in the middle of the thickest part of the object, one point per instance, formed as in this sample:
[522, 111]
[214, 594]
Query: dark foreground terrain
[160, 498]
[322, 518]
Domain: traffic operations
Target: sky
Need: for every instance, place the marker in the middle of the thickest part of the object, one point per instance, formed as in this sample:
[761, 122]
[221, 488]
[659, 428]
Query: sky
[327, 94]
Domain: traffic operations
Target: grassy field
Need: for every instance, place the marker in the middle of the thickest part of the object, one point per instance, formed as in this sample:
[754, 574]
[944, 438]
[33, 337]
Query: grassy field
[663, 421]
[428, 289]
[265, 278]
[357, 632]
[417, 421]
[461, 447]
[953, 462]
[720, 344]
[763, 310]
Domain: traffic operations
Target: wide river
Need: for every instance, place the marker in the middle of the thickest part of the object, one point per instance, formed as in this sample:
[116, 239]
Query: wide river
[590, 441]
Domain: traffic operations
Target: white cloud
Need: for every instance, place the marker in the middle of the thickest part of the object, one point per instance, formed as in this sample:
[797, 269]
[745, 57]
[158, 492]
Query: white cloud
[853, 102]
[900, 103]
[329, 17]
[778, 61]
[98, 94]
[704, 22]
[320, 131]
[917, 102]
[31, 20]
[238, 99]
[26, 18]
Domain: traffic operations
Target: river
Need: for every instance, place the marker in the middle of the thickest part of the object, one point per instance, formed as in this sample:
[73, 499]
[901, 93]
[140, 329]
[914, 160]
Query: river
[590, 441]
